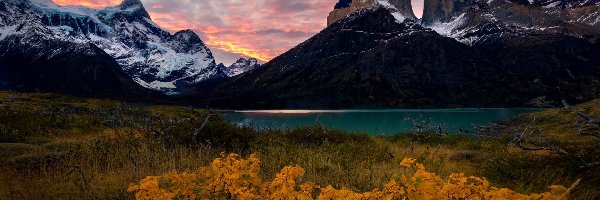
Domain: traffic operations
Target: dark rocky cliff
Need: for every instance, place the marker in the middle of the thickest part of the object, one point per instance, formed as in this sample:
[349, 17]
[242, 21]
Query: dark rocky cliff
[369, 59]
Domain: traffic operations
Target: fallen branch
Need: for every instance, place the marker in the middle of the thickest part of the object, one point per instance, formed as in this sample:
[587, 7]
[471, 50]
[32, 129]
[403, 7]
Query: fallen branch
[530, 130]
[589, 119]
[581, 131]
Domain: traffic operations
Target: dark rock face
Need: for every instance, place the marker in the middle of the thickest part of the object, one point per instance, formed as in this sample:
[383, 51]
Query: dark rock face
[356, 62]
[370, 60]
[75, 69]
[343, 4]
[553, 66]
[558, 3]
[443, 10]
[404, 7]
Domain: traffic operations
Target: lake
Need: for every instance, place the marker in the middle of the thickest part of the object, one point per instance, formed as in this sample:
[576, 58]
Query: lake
[376, 122]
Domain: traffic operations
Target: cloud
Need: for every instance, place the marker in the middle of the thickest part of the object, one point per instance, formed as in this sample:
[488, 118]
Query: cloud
[239, 28]
[253, 28]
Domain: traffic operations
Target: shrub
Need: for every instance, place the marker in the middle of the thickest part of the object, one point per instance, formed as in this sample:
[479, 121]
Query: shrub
[232, 177]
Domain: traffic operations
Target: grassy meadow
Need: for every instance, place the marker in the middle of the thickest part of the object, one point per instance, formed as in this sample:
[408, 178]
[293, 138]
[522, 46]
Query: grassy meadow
[60, 147]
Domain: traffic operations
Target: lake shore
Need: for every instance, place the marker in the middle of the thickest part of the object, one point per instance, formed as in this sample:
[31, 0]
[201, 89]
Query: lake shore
[59, 147]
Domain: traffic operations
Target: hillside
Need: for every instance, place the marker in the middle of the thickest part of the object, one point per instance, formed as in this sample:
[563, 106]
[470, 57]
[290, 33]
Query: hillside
[371, 59]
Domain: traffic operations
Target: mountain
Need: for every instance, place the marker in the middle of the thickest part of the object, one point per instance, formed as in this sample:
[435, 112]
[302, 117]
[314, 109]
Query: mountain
[400, 9]
[366, 59]
[67, 68]
[151, 56]
[35, 58]
[474, 21]
[240, 66]
[370, 58]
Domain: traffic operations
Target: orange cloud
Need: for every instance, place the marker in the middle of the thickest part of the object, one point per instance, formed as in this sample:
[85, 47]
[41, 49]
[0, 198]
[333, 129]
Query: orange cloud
[262, 29]
[215, 38]
[232, 48]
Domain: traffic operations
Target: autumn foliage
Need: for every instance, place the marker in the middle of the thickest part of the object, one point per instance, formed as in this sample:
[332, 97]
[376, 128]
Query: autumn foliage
[232, 177]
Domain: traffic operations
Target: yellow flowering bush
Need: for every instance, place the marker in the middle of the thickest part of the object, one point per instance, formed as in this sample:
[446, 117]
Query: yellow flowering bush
[232, 177]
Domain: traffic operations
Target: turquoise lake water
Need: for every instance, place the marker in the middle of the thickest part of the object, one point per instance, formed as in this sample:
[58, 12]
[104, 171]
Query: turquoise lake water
[376, 122]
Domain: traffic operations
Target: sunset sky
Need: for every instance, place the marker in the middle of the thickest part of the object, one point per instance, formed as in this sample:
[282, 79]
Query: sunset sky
[239, 28]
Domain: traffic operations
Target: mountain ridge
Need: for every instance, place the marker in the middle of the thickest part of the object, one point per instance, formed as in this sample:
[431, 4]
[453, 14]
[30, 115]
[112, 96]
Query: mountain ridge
[350, 64]
[151, 56]
[241, 66]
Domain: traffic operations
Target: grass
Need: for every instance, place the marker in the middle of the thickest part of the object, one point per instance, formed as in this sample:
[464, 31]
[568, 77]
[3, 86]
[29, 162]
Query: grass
[60, 147]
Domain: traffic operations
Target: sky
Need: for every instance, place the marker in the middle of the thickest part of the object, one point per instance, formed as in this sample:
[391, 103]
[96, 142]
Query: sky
[262, 29]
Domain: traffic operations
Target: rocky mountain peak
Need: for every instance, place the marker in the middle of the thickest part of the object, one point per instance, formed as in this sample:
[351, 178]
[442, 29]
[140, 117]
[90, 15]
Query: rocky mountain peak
[135, 6]
[150, 55]
[469, 21]
[404, 7]
[250, 60]
[401, 9]
[343, 4]
[187, 36]
[444, 10]
[130, 3]
[241, 66]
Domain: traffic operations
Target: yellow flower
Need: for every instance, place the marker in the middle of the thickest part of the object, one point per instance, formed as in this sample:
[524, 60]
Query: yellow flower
[407, 162]
[233, 177]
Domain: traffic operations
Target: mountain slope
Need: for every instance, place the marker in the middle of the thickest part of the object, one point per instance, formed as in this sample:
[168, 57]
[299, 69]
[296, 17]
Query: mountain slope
[367, 59]
[148, 54]
[371, 59]
[241, 66]
[75, 69]
[471, 21]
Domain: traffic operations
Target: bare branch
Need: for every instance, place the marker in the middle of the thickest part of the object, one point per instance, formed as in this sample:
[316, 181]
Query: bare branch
[530, 130]
[589, 119]
[521, 137]
[581, 131]
[197, 131]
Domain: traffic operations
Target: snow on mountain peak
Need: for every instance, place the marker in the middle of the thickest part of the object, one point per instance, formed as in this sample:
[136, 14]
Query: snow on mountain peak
[148, 54]
[393, 10]
[474, 21]
[241, 66]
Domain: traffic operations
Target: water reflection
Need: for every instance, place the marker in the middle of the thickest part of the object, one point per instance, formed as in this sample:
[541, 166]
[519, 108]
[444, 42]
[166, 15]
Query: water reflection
[377, 122]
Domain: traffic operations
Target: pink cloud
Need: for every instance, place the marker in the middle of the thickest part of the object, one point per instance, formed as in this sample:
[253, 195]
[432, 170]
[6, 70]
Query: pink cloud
[239, 28]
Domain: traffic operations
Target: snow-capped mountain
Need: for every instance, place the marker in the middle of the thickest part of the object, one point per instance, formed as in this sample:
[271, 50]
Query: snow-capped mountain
[470, 21]
[151, 56]
[240, 66]
[480, 21]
